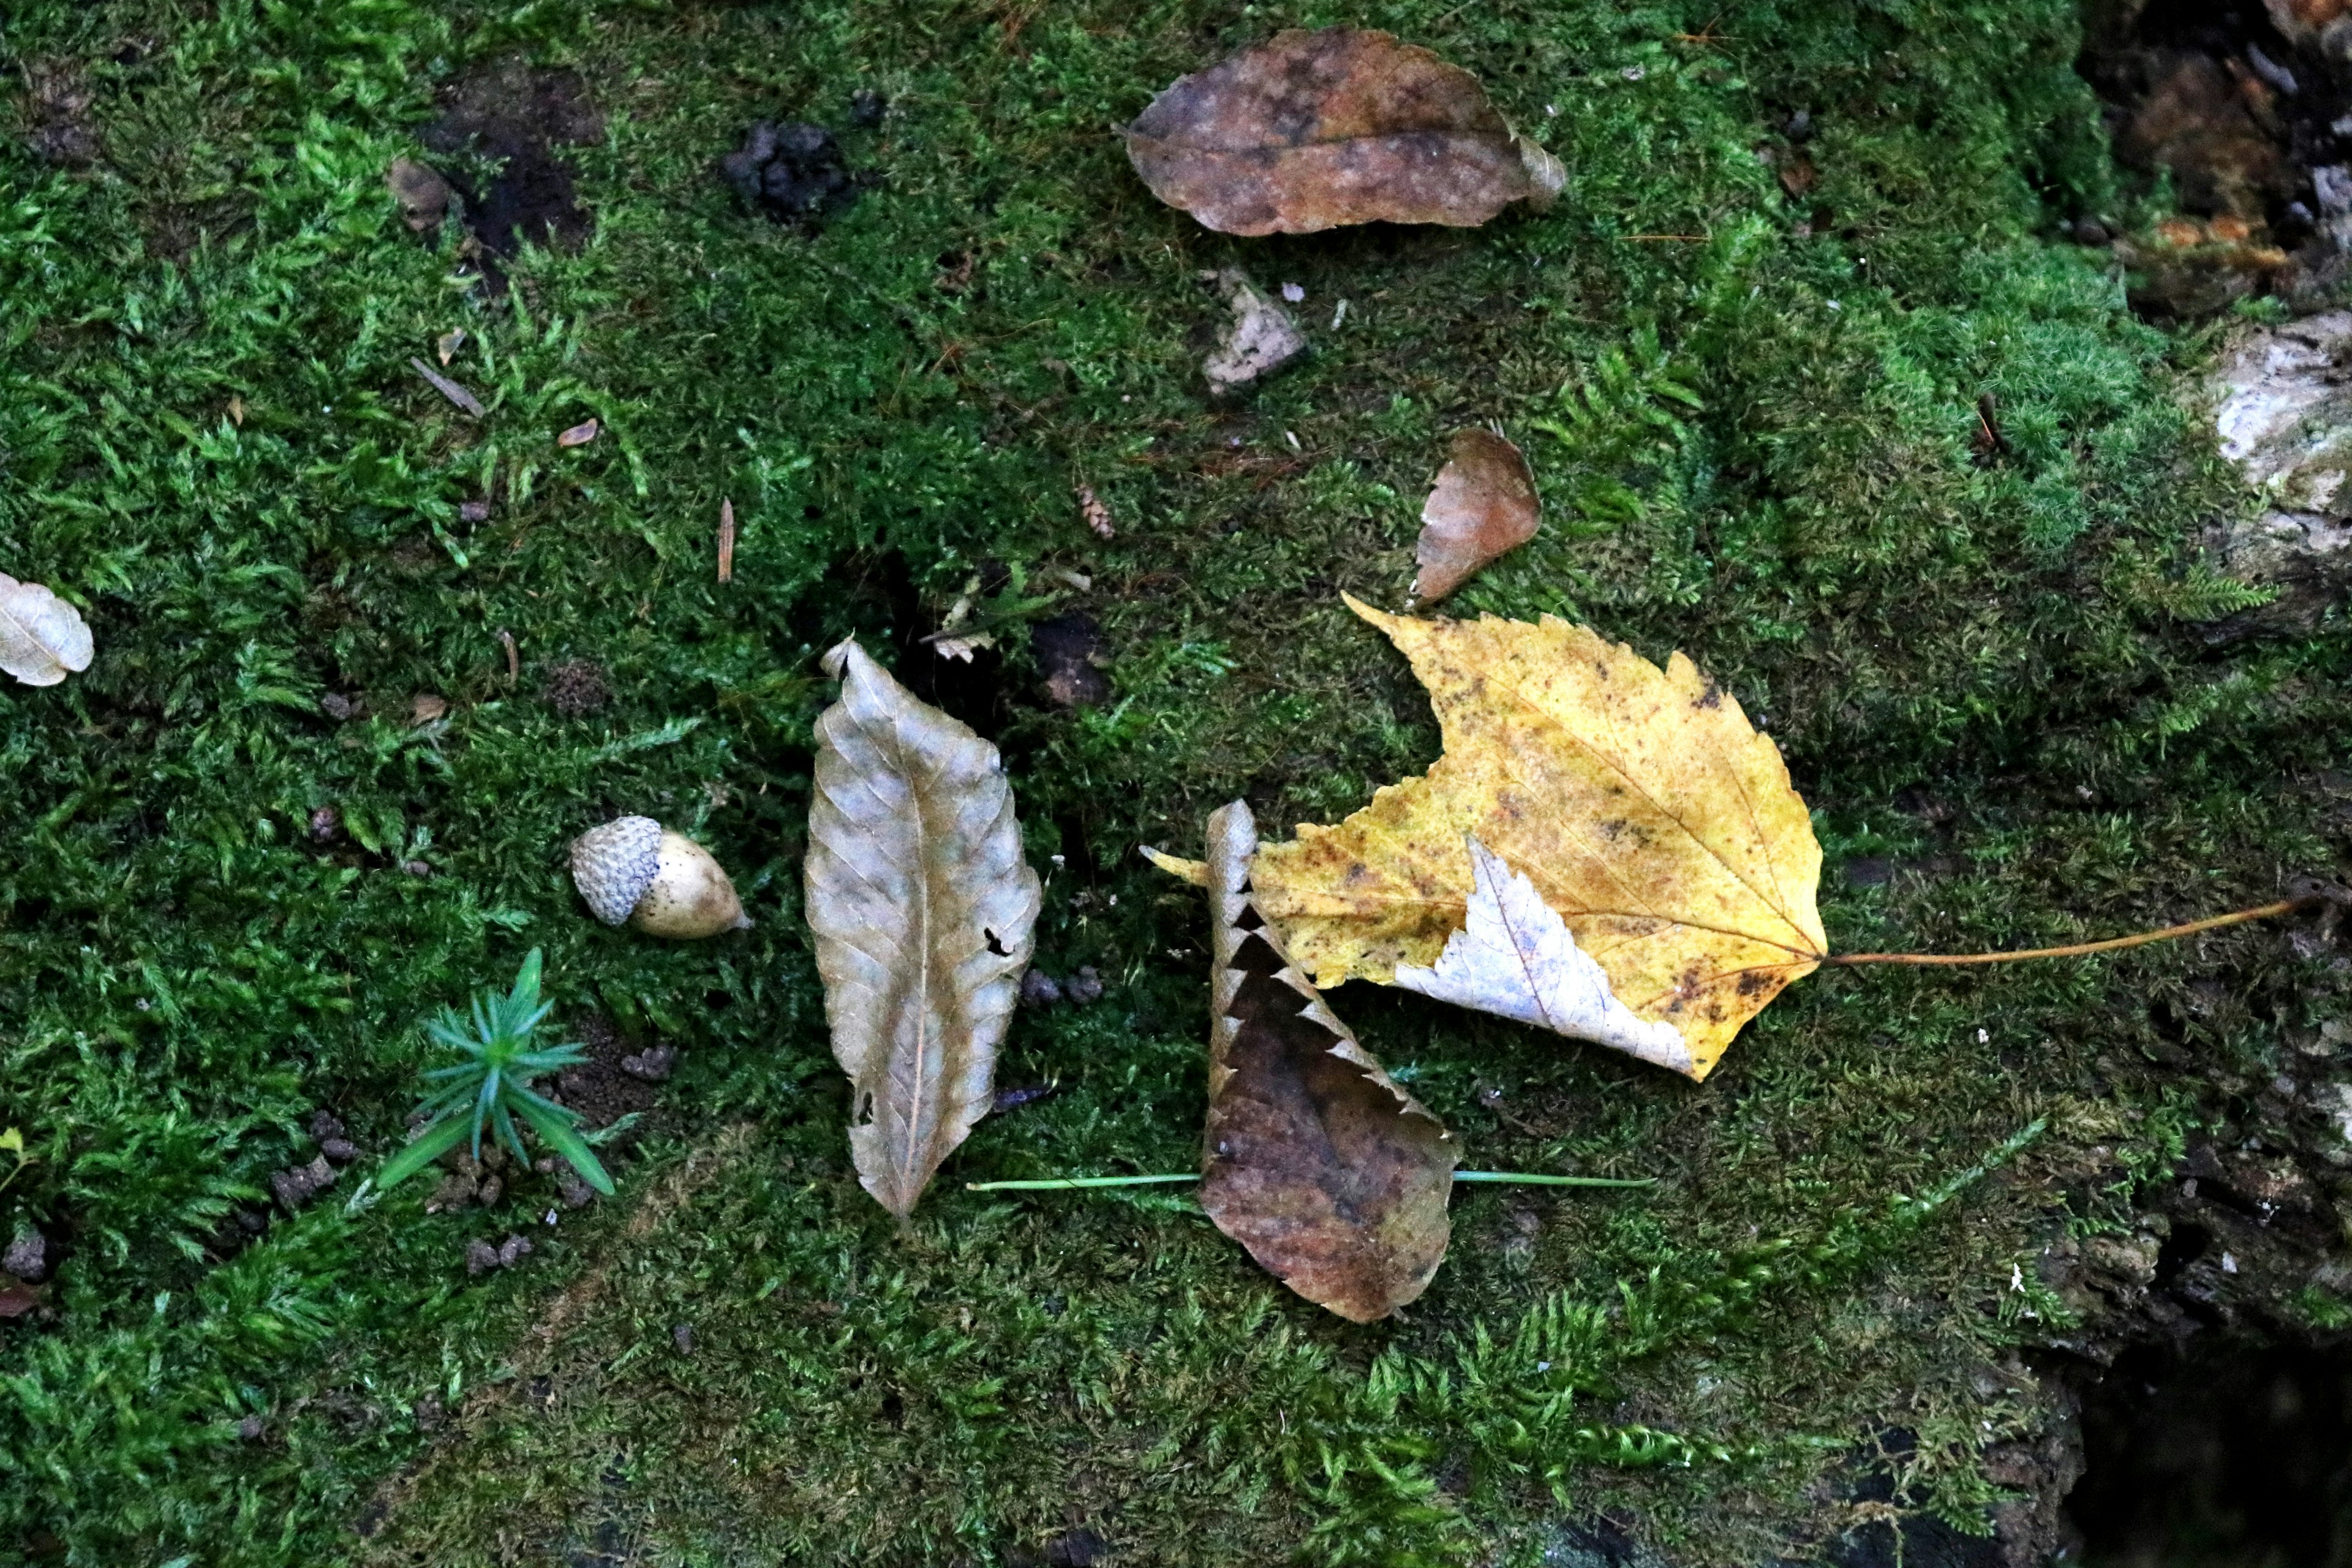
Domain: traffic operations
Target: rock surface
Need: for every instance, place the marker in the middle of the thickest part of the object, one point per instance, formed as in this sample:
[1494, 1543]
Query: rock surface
[2282, 411]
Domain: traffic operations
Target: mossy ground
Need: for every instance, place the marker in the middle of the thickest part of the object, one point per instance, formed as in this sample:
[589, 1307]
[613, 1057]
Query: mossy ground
[1985, 667]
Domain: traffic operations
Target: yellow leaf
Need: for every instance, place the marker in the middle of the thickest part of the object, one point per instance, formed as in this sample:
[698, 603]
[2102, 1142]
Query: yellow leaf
[1639, 803]
[13, 1140]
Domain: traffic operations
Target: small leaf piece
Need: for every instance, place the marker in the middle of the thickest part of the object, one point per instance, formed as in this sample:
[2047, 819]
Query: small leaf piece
[1640, 802]
[1315, 129]
[42, 637]
[1334, 1178]
[1482, 507]
[1515, 958]
[922, 908]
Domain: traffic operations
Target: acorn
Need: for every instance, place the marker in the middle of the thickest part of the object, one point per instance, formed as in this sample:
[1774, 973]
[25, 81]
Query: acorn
[635, 870]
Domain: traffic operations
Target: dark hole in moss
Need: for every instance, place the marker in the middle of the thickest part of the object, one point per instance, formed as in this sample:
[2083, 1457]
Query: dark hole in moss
[2223, 1452]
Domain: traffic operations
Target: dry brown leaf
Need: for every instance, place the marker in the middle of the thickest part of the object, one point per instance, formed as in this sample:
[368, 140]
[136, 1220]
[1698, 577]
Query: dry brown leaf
[42, 638]
[1641, 804]
[922, 908]
[1334, 1178]
[580, 435]
[1315, 129]
[1482, 506]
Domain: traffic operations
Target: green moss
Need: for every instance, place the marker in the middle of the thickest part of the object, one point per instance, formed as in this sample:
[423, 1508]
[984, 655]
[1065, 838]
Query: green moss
[1757, 447]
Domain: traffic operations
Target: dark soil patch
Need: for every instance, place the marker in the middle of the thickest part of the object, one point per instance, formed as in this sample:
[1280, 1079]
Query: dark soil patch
[1069, 653]
[58, 128]
[2233, 1453]
[576, 688]
[602, 1088]
[498, 133]
[2247, 109]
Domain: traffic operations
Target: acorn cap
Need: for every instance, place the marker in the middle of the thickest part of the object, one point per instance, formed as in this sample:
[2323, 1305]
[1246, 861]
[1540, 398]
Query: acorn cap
[614, 864]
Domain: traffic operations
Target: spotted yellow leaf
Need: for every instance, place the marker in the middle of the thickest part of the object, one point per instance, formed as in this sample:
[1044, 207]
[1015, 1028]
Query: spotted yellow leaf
[1639, 802]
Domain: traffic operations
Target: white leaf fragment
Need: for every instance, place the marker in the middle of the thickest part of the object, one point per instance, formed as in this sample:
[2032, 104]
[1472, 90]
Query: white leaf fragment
[1516, 959]
[42, 637]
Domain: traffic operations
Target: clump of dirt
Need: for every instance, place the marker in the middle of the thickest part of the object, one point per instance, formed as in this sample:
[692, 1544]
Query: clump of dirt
[576, 688]
[794, 173]
[2247, 109]
[496, 133]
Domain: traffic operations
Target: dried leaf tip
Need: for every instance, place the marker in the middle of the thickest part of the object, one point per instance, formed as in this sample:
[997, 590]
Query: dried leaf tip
[922, 907]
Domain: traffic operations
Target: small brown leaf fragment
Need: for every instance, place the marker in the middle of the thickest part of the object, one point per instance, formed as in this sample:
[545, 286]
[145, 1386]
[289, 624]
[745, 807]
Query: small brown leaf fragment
[424, 708]
[15, 1299]
[1797, 175]
[1334, 1178]
[726, 540]
[448, 389]
[580, 435]
[447, 344]
[1316, 130]
[1482, 506]
[236, 412]
[922, 908]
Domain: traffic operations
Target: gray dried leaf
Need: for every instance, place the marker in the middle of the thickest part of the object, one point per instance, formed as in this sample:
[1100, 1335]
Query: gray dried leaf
[42, 638]
[922, 908]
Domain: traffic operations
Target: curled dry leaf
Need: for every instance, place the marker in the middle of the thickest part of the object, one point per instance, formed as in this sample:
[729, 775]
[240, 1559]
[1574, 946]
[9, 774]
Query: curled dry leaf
[1334, 1178]
[580, 435]
[1316, 130]
[1639, 802]
[42, 638]
[922, 908]
[1482, 507]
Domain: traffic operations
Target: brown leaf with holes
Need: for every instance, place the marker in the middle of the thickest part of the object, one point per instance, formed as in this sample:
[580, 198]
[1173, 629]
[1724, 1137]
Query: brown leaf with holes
[1317, 130]
[1481, 507]
[922, 908]
[1334, 1178]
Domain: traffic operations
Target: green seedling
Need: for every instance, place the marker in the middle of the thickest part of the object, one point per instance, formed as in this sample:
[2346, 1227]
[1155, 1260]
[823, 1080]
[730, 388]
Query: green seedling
[494, 1082]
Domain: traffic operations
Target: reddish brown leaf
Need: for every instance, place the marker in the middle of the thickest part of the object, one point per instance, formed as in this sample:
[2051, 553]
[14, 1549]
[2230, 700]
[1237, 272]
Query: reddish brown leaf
[1313, 131]
[15, 1299]
[1482, 506]
[1334, 1178]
